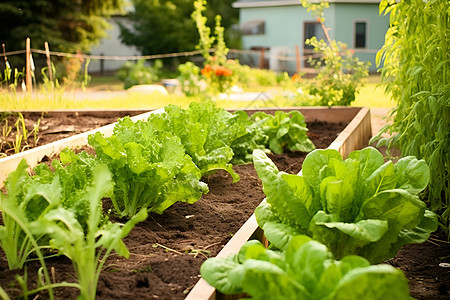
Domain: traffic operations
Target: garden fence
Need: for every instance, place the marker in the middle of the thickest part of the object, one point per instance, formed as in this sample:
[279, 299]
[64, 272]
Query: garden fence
[275, 58]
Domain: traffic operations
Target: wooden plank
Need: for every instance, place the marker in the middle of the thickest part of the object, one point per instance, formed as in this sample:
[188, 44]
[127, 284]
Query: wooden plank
[355, 135]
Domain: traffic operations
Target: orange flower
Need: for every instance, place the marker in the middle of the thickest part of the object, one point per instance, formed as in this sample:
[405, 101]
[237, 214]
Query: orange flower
[207, 70]
[222, 71]
[296, 78]
[352, 51]
[319, 19]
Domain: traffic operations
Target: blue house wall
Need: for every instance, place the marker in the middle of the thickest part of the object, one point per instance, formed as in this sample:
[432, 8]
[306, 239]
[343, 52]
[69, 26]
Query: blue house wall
[284, 29]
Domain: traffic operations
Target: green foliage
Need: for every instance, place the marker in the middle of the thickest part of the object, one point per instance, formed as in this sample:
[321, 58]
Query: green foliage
[66, 25]
[305, 270]
[339, 73]
[416, 73]
[206, 133]
[251, 77]
[149, 165]
[160, 26]
[316, 8]
[206, 40]
[80, 245]
[190, 79]
[138, 73]
[360, 205]
[277, 133]
[25, 202]
[152, 33]
[285, 131]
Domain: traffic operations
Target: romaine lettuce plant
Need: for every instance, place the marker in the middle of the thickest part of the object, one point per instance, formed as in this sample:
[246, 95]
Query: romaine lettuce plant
[304, 270]
[277, 133]
[150, 167]
[87, 248]
[205, 131]
[284, 131]
[360, 205]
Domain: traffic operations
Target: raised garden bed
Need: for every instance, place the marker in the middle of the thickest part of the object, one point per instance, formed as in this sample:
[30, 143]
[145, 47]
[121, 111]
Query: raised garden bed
[155, 272]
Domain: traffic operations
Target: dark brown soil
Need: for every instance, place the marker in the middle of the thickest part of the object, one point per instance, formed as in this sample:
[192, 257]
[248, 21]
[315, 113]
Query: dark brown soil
[52, 127]
[166, 251]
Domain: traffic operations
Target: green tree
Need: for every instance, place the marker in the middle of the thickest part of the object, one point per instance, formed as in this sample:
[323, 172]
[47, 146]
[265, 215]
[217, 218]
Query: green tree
[67, 25]
[162, 26]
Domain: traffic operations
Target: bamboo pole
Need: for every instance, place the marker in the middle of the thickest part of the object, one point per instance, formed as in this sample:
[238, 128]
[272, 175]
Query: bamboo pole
[28, 65]
[49, 64]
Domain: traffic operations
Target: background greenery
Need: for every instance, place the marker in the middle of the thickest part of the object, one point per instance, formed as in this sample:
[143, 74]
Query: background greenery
[416, 72]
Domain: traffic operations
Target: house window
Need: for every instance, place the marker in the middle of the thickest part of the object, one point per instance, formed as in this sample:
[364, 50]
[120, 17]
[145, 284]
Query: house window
[311, 29]
[360, 34]
[253, 27]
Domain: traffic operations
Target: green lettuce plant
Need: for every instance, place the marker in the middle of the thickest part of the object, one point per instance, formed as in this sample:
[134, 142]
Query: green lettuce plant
[305, 269]
[359, 205]
[285, 131]
[206, 133]
[277, 133]
[150, 167]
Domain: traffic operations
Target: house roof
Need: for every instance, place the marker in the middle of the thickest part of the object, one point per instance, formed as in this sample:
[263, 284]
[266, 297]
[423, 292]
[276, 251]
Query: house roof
[266, 3]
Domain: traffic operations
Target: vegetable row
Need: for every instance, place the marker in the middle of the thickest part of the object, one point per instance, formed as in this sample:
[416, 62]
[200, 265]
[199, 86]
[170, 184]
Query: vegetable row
[144, 166]
[327, 225]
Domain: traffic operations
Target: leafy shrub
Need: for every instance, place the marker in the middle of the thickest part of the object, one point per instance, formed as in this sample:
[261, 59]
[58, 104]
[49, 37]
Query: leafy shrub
[339, 73]
[305, 270]
[190, 80]
[251, 77]
[137, 73]
[360, 205]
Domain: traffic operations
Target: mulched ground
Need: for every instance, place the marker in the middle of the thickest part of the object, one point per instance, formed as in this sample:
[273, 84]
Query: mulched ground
[167, 250]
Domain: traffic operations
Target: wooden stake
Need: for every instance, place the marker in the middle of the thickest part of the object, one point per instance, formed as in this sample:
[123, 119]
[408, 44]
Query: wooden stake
[297, 56]
[28, 65]
[49, 64]
[261, 61]
[4, 53]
